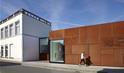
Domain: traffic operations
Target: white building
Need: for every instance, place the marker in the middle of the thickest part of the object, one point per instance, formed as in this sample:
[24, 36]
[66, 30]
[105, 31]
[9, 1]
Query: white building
[20, 34]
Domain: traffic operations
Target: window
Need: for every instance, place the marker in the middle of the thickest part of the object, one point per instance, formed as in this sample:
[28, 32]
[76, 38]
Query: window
[11, 30]
[17, 28]
[6, 51]
[2, 33]
[6, 32]
[11, 51]
[44, 45]
[1, 51]
[57, 51]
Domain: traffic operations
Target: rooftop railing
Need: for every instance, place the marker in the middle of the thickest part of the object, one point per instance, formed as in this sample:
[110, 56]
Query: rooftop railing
[26, 13]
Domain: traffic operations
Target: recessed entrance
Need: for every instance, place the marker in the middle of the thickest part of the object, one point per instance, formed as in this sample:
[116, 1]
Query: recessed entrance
[44, 49]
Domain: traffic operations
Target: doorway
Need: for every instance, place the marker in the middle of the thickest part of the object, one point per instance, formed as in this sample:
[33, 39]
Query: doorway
[44, 49]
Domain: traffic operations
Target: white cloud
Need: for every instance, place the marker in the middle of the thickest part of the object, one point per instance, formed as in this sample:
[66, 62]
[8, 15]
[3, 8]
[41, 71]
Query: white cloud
[97, 7]
[55, 9]
[62, 25]
[8, 8]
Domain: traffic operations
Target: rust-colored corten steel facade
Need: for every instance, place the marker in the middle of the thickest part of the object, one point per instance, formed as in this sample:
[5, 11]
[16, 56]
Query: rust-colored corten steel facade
[104, 43]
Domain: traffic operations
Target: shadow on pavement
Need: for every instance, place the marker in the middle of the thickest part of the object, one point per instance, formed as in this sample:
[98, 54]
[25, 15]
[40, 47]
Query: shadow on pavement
[2, 63]
[111, 71]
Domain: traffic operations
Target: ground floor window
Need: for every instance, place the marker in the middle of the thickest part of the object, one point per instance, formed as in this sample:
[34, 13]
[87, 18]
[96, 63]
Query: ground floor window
[57, 51]
[6, 51]
[2, 51]
[11, 51]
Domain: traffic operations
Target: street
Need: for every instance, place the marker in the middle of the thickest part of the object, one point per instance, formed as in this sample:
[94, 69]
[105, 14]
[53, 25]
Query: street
[24, 69]
[6, 67]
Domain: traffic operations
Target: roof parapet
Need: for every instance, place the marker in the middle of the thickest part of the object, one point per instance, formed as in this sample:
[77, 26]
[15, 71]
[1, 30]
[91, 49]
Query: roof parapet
[23, 11]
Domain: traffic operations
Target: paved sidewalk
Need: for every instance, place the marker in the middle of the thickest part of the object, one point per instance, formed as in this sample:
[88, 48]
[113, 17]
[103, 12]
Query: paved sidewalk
[75, 68]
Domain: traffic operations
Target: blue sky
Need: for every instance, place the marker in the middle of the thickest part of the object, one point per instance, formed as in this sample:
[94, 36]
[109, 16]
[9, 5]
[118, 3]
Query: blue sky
[68, 13]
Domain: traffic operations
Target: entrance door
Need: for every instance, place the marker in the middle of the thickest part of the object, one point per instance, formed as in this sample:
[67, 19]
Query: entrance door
[44, 49]
[57, 51]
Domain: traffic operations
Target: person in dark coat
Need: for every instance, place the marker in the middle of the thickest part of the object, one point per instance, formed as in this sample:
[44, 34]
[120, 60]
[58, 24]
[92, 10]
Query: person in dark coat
[88, 60]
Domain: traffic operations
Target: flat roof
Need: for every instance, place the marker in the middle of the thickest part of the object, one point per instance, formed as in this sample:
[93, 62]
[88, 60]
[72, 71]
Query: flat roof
[23, 11]
[105, 23]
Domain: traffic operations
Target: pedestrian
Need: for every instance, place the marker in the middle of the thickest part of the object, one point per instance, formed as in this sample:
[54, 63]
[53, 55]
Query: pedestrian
[83, 58]
[88, 60]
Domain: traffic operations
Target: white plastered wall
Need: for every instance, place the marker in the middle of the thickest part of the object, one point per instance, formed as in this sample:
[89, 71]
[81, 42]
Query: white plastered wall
[16, 52]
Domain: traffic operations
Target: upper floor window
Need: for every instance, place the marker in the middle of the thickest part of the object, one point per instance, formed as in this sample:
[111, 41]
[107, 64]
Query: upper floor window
[11, 30]
[17, 28]
[2, 33]
[6, 31]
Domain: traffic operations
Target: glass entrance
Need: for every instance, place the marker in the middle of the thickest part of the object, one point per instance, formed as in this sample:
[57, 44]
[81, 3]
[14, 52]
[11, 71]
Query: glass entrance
[44, 49]
[57, 51]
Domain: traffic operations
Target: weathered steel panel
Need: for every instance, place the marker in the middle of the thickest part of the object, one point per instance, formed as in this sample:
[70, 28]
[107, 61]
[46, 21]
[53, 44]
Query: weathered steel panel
[107, 59]
[72, 32]
[68, 49]
[59, 34]
[83, 35]
[106, 30]
[104, 43]
[78, 49]
[95, 54]
[93, 34]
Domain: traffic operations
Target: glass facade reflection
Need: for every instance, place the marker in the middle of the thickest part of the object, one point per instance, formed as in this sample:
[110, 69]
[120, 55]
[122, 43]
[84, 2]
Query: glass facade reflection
[57, 51]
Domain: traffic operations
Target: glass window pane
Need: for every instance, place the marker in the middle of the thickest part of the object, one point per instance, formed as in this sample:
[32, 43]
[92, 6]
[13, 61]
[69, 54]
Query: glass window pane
[2, 51]
[2, 33]
[57, 51]
[17, 28]
[6, 32]
[10, 30]
[44, 45]
[6, 51]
